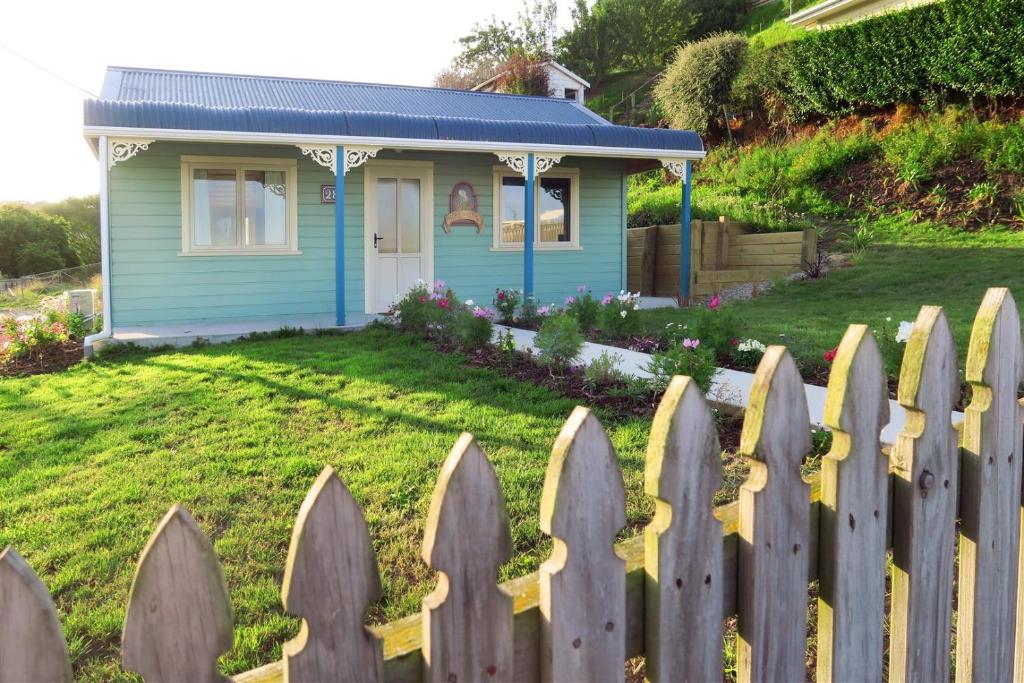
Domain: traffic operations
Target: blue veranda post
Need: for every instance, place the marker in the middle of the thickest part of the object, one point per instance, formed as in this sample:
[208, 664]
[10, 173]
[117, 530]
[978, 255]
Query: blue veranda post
[684, 236]
[339, 235]
[528, 229]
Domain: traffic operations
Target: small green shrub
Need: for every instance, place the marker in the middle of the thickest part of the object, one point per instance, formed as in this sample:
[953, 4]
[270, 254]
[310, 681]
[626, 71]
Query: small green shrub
[558, 341]
[505, 302]
[748, 353]
[423, 309]
[683, 358]
[698, 81]
[507, 344]
[604, 370]
[584, 307]
[473, 327]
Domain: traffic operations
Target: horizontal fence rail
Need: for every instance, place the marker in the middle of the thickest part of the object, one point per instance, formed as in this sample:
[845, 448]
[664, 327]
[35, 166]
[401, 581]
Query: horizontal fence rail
[664, 594]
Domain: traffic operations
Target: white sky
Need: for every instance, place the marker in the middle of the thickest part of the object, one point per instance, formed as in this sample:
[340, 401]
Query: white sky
[44, 154]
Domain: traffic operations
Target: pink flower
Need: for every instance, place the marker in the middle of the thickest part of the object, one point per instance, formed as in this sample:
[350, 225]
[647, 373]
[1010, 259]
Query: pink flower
[606, 299]
[443, 303]
[439, 285]
[581, 289]
[570, 300]
[501, 295]
[830, 355]
[714, 302]
[691, 343]
[423, 299]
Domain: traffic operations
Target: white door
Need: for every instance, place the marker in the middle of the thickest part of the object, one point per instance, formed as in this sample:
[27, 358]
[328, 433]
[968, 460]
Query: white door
[399, 218]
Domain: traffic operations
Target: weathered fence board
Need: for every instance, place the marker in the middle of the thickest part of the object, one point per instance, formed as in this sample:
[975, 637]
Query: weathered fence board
[330, 580]
[179, 613]
[683, 555]
[467, 620]
[582, 584]
[774, 525]
[990, 495]
[854, 506]
[924, 504]
[32, 646]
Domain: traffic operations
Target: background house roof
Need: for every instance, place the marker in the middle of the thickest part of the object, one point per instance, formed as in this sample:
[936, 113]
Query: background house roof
[181, 100]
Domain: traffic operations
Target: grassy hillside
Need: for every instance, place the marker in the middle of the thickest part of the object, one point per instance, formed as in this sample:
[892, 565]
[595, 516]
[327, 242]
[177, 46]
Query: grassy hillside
[950, 168]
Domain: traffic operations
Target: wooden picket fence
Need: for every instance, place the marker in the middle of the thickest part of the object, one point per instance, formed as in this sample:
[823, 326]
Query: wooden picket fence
[664, 594]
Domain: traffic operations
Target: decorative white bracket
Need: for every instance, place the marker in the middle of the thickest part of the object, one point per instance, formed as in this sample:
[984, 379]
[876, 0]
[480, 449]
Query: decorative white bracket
[357, 156]
[327, 157]
[123, 149]
[543, 164]
[677, 167]
[517, 162]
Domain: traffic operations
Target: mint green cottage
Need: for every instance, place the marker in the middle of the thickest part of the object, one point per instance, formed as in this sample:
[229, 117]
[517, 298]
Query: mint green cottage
[231, 204]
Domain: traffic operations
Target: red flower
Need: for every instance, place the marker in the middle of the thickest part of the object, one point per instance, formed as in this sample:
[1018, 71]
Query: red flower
[423, 299]
[734, 341]
[830, 355]
[442, 303]
[501, 296]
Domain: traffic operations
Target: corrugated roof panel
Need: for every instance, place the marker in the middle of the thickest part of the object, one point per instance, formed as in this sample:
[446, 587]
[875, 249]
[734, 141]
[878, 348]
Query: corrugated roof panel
[146, 98]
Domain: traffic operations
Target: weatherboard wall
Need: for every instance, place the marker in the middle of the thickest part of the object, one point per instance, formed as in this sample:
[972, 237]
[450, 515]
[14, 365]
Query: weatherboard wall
[152, 283]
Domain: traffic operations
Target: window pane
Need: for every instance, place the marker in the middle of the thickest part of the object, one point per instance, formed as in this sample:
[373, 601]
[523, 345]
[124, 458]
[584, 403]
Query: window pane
[513, 196]
[387, 218]
[266, 208]
[554, 209]
[214, 207]
[409, 216]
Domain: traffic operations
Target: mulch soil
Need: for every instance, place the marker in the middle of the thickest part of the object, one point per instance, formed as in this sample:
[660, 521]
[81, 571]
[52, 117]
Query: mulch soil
[54, 358]
[871, 186]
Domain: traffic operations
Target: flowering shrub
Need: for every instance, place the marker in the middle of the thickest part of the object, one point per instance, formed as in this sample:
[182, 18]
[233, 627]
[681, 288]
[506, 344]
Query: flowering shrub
[687, 357]
[505, 302]
[618, 314]
[603, 370]
[28, 336]
[425, 309]
[892, 342]
[558, 341]
[584, 307]
[715, 325]
[748, 352]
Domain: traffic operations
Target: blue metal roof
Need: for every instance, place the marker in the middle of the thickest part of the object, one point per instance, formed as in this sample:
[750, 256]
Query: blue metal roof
[181, 100]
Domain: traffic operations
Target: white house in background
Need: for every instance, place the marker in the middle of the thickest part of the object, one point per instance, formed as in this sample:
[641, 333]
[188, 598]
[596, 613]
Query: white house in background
[562, 83]
[831, 13]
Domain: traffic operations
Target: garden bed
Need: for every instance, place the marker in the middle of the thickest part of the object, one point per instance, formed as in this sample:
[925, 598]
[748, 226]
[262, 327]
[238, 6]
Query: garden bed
[54, 357]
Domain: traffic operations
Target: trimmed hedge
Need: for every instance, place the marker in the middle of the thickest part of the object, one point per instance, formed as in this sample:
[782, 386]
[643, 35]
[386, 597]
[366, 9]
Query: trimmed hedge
[972, 47]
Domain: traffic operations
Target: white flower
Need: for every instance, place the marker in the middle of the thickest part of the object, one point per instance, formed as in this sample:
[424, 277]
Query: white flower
[420, 282]
[622, 314]
[903, 333]
[888, 318]
[748, 345]
[469, 302]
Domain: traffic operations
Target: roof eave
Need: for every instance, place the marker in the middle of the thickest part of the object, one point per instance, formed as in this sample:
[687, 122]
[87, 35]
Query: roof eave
[241, 137]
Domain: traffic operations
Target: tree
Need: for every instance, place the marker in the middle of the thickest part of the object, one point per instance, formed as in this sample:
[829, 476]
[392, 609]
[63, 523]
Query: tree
[698, 82]
[587, 47]
[491, 44]
[83, 217]
[33, 242]
[522, 76]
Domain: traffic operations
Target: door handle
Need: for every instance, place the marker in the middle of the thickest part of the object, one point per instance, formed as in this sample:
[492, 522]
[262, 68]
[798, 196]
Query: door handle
[376, 239]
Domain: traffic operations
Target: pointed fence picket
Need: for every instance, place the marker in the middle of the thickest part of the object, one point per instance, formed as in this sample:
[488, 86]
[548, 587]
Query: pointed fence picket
[662, 595]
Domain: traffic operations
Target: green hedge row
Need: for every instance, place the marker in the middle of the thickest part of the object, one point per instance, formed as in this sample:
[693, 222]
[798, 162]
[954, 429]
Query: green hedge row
[973, 47]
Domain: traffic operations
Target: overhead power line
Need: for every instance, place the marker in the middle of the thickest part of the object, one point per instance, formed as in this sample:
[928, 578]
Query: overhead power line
[48, 72]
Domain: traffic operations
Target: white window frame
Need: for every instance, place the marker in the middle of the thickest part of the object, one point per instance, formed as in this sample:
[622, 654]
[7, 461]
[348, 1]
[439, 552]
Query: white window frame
[573, 176]
[240, 164]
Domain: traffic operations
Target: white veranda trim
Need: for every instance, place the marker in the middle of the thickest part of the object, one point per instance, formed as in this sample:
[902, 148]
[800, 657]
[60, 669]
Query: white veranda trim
[517, 162]
[355, 155]
[677, 168]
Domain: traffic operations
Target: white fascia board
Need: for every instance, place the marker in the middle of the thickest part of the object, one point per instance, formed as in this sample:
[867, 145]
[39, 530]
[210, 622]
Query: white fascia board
[806, 16]
[391, 143]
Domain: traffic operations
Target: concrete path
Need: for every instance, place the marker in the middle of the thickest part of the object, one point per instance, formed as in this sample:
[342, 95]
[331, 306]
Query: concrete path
[730, 386]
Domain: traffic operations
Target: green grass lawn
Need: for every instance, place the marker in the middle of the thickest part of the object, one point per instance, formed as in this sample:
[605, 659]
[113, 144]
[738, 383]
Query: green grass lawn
[92, 458]
[909, 266]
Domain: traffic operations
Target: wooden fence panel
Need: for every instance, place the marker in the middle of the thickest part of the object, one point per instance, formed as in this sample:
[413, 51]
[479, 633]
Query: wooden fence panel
[330, 580]
[179, 613]
[32, 646]
[990, 495]
[854, 510]
[774, 525]
[925, 468]
[467, 620]
[583, 583]
[683, 550]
